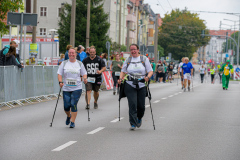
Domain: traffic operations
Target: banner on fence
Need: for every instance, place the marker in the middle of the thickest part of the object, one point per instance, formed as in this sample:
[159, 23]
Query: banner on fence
[236, 73]
[107, 75]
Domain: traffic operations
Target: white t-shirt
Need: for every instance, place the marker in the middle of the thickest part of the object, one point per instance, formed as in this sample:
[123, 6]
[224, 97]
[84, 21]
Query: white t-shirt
[71, 75]
[137, 70]
[202, 70]
[180, 66]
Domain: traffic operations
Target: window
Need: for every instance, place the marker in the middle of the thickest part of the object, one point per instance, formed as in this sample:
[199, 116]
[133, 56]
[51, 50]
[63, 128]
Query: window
[43, 11]
[43, 31]
[59, 12]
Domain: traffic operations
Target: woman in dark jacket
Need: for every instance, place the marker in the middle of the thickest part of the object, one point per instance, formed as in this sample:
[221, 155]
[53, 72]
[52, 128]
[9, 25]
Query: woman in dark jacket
[11, 58]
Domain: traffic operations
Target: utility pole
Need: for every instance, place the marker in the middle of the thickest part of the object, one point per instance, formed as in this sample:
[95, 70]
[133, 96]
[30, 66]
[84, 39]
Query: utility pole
[128, 30]
[156, 40]
[34, 28]
[73, 19]
[226, 50]
[120, 17]
[88, 24]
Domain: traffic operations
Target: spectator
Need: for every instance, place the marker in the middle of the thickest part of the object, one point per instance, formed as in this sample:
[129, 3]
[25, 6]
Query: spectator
[66, 53]
[87, 51]
[153, 67]
[62, 56]
[104, 57]
[11, 58]
[82, 54]
[109, 62]
[161, 71]
[15, 43]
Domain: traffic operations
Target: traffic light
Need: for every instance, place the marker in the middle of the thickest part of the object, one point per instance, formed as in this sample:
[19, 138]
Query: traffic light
[217, 51]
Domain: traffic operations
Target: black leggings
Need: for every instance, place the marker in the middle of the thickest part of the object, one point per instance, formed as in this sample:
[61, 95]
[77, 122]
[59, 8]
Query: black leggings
[212, 77]
[202, 76]
[115, 79]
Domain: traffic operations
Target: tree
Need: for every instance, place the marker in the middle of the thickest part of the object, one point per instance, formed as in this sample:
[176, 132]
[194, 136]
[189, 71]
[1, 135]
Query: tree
[180, 33]
[6, 6]
[98, 25]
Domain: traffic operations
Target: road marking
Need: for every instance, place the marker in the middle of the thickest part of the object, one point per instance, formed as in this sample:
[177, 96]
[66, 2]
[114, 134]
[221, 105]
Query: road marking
[96, 130]
[176, 94]
[64, 146]
[117, 120]
[170, 96]
[164, 98]
[147, 106]
[162, 117]
[156, 101]
[179, 92]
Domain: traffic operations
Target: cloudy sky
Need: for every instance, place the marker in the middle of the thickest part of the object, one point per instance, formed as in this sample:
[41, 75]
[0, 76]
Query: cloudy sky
[212, 19]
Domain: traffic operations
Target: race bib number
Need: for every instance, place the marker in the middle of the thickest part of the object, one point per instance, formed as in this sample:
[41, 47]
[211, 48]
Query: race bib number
[227, 67]
[117, 73]
[71, 82]
[187, 74]
[91, 79]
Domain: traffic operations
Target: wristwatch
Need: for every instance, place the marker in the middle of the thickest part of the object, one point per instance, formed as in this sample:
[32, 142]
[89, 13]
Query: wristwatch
[60, 82]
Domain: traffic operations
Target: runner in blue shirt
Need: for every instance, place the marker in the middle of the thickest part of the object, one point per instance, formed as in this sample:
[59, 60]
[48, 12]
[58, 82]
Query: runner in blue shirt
[187, 73]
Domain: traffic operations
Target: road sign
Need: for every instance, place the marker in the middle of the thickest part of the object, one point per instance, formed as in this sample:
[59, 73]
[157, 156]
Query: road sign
[108, 45]
[14, 18]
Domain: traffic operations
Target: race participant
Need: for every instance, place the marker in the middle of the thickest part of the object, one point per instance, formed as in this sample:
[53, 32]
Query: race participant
[116, 67]
[219, 74]
[170, 73]
[202, 71]
[94, 66]
[137, 70]
[226, 74]
[187, 73]
[212, 71]
[180, 71]
[71, 84]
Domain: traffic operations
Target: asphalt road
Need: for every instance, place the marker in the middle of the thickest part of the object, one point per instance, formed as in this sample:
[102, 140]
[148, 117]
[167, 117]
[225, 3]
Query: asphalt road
[203, 124]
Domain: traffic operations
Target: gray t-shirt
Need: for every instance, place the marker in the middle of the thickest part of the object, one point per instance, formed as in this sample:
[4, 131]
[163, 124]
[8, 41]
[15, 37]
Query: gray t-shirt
[137, 70]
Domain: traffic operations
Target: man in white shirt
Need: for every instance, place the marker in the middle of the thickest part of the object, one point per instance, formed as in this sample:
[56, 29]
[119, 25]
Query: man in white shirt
[180, 71]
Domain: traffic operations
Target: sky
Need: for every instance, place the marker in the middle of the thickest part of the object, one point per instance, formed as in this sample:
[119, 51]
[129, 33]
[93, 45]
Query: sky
[212, 19]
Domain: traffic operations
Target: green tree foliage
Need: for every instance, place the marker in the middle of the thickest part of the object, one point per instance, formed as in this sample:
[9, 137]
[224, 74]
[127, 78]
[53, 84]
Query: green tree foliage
[8, 6]
[98, 25]
[180, 33]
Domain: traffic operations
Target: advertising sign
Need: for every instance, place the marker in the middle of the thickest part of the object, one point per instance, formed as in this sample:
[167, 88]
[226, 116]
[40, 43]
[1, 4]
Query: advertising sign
[236, 73]
[33, 53]
[107, 75]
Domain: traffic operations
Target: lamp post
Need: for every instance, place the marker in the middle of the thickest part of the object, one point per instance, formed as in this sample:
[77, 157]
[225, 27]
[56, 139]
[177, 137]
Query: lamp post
[140, 30]
[53, 34]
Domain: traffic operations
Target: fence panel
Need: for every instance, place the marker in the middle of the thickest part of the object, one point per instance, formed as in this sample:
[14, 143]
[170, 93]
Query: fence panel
[29, 81]
[39, 84]
[48, 79]
[55, 80]
[2, 95]
[20, 89]
[10, 83]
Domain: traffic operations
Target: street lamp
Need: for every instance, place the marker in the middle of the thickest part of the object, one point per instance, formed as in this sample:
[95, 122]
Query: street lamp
[53, 34]
[140, 30]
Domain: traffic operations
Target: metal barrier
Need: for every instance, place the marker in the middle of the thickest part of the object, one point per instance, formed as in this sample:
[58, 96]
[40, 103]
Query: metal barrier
[31, 83]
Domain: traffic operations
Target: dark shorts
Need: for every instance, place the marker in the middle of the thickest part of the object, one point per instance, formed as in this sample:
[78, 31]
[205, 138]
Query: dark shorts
[181, 76]
[70, 100]
[93, 86]
[161, 75]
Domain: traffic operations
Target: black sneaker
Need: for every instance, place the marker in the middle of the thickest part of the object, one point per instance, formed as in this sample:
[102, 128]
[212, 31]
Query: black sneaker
[95, 105]
[87, 106]
[223, 88]
[188, 88]
[68, 120]
[114, 93]
[72, 125]
[139, 123]
[132, 127]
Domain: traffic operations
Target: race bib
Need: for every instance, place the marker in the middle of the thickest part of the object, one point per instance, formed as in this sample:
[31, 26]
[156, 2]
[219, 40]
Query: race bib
[187, 74]
[91, 79]
[227, 67]
[71, 82]
[117, 73]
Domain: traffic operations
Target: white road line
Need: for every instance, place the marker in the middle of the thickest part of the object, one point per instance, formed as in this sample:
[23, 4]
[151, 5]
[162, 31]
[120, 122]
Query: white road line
[164, 98]
[156, 101]
[180, 92]
[64, 146]
[96, 130]
[162, 117]
[170, 96]
[117, 120]
[146, 106]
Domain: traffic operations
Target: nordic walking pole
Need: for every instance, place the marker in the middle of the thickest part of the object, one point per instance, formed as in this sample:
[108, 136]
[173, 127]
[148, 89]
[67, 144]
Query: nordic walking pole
[119, 111]
[87, 102]
[192, 85]
[55, 107]
[149, 97]
[177, 78]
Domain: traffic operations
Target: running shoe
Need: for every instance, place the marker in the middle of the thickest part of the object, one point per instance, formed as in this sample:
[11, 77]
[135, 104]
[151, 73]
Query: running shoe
[139, 123]
[87, 106]
[226, 88]
[95, 105]
[184, 90]
[68, 120]
[189, 89]
[132, 127]
[72, 125]
[182, 87]
[114, 93]
[223, 88]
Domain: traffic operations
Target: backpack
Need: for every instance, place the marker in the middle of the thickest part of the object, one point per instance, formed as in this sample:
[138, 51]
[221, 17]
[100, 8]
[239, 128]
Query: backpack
[142, 59]
[3, 53]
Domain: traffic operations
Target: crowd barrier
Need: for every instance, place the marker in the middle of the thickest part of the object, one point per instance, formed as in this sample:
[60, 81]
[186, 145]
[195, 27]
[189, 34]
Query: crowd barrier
[19, 86]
